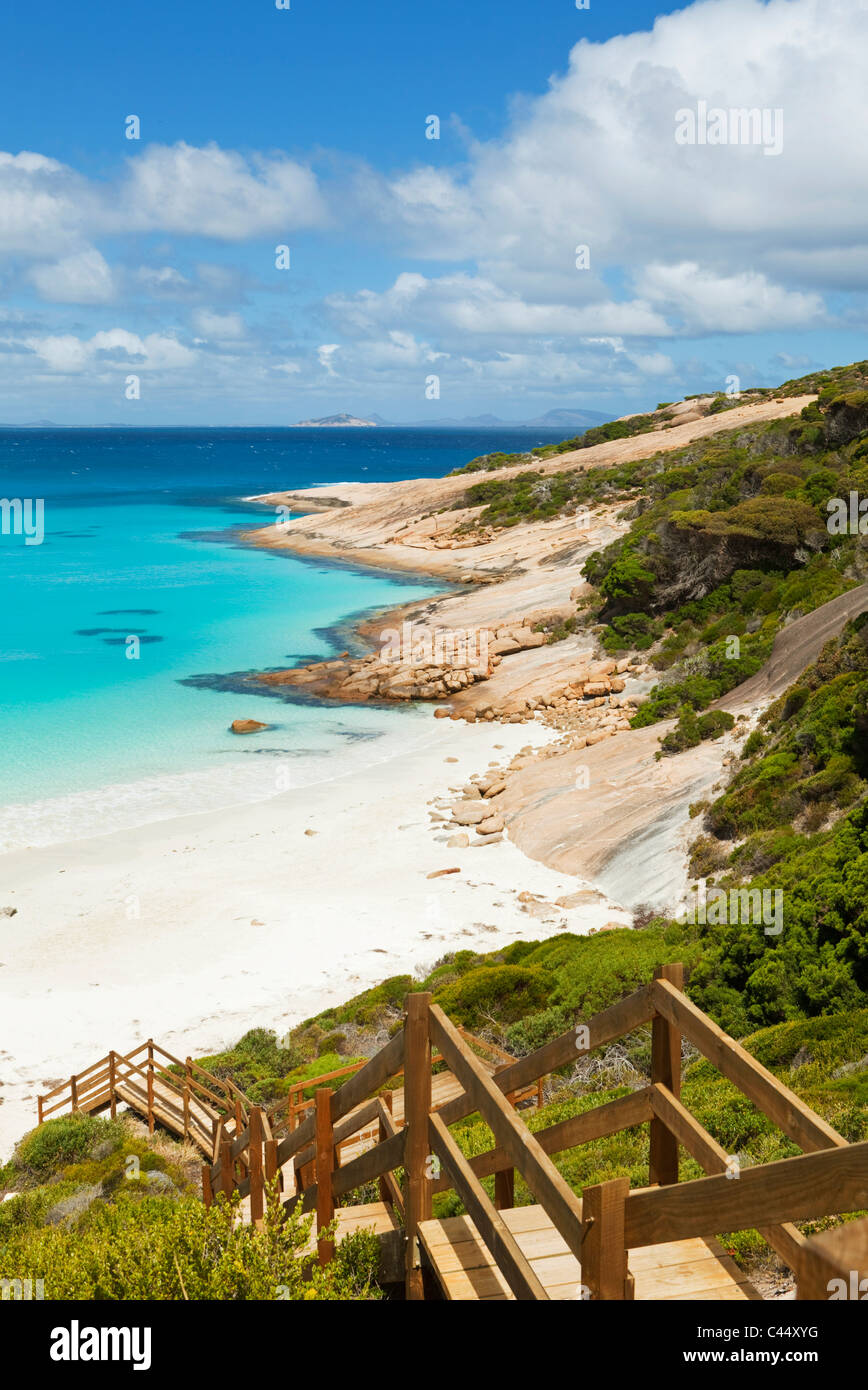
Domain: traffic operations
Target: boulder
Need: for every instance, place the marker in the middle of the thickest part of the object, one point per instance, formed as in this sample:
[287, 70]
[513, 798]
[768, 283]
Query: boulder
[491, 826]
[465, 813]
[247, 726]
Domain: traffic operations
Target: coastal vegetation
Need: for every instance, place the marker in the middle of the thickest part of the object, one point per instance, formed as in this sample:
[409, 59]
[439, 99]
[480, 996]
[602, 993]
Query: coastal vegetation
[726, 544]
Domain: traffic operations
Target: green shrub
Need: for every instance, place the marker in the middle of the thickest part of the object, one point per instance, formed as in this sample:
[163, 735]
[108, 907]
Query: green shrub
[156, 1248]
[58, 1142]
[502, 992]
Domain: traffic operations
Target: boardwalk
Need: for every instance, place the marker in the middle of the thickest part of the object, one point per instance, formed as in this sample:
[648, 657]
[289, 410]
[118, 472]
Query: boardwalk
[327, 1152]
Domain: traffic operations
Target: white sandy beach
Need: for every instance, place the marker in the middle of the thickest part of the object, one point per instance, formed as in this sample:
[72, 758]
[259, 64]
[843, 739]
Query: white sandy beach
[245, 920]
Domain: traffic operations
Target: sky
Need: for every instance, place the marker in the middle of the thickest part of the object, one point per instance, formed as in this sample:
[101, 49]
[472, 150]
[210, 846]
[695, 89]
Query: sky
[284, 239]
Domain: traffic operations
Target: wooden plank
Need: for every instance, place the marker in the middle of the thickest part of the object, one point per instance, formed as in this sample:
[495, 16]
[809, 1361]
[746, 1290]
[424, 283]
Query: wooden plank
[605, 1027]
[493, 1230]
[604, 1255]
[417, 1104]
[780, 1104]
[522, 1147]
[826, 1183]
[786, 1240]
[602, 1120]
[464, 1268]
[835, 1264]
[325, 1158]
[666, 1070]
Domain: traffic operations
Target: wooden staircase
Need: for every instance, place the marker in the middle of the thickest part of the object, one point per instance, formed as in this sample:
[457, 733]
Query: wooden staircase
[611, 1243]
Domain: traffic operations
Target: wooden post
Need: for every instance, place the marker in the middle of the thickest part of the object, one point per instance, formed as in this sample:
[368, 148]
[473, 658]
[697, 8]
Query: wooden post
[227, 1169]
[257, 1191]
[382, 1135]
[604, 1254]
[271, 1168]
[504, 1181]
[239, 1118]
[73, 1091]
[112, 1083]
[665, 1069]
[39, 1110]
[207, 1192]
[150, 1085]
[325, 1143]
[186, 1109]
[417, 1107]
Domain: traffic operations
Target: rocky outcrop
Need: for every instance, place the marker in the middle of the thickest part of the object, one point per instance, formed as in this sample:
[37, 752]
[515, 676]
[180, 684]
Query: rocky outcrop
[247, 726]
[418, 664]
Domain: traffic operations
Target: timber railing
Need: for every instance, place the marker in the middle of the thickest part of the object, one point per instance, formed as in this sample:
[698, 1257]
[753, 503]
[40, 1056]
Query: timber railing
[289, 1111]
[191, 1098]
[337, 1142]
[608, 1220]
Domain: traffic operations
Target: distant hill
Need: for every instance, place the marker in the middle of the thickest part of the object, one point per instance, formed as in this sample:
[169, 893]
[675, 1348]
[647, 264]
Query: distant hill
[343, 420]
[553, 419]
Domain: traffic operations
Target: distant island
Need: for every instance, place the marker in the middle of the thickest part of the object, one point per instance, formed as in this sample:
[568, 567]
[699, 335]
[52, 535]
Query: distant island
[344, 420]
[553, 419]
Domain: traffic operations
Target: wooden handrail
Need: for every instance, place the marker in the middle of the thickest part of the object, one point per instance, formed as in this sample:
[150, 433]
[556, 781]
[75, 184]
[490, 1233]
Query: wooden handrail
[598, 1123]
[797, 1120]
[831, 1178]
[785, 1240]
[623, 1017]
[826, 1183]
[501, 1242]
[483, 1093]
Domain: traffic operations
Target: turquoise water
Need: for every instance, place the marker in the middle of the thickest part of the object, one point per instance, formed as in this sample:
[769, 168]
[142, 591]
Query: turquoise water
[139, 543]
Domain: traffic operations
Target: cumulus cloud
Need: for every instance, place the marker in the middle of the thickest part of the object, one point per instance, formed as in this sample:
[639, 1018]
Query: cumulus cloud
[83, 278]
[66, 353]
[474, 305]
[44, 205]
[594, 159]
[744, 302]
[218, 193]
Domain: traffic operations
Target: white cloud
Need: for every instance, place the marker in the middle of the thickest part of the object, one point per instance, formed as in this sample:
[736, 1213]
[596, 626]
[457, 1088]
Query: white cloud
[744, 302]
[217, 193]
[219, 327]
[325, 355]
[594, 160]
[67, 353]
[82, 278]
[474, 305]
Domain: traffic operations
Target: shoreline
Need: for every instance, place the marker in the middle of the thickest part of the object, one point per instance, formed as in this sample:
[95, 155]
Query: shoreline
[193, 930]
[189, 930]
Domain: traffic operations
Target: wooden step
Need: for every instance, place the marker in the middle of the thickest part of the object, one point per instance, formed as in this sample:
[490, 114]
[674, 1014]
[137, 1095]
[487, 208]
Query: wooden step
[465, 1269]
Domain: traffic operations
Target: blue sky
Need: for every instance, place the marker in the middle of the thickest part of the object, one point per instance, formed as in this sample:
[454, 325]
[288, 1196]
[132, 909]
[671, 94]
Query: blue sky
[413, 259]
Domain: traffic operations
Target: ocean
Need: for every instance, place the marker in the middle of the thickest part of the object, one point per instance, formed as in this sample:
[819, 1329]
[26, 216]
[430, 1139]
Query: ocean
[118, 631]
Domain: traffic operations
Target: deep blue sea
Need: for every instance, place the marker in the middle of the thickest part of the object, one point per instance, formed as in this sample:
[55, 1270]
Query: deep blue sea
[140, 541]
